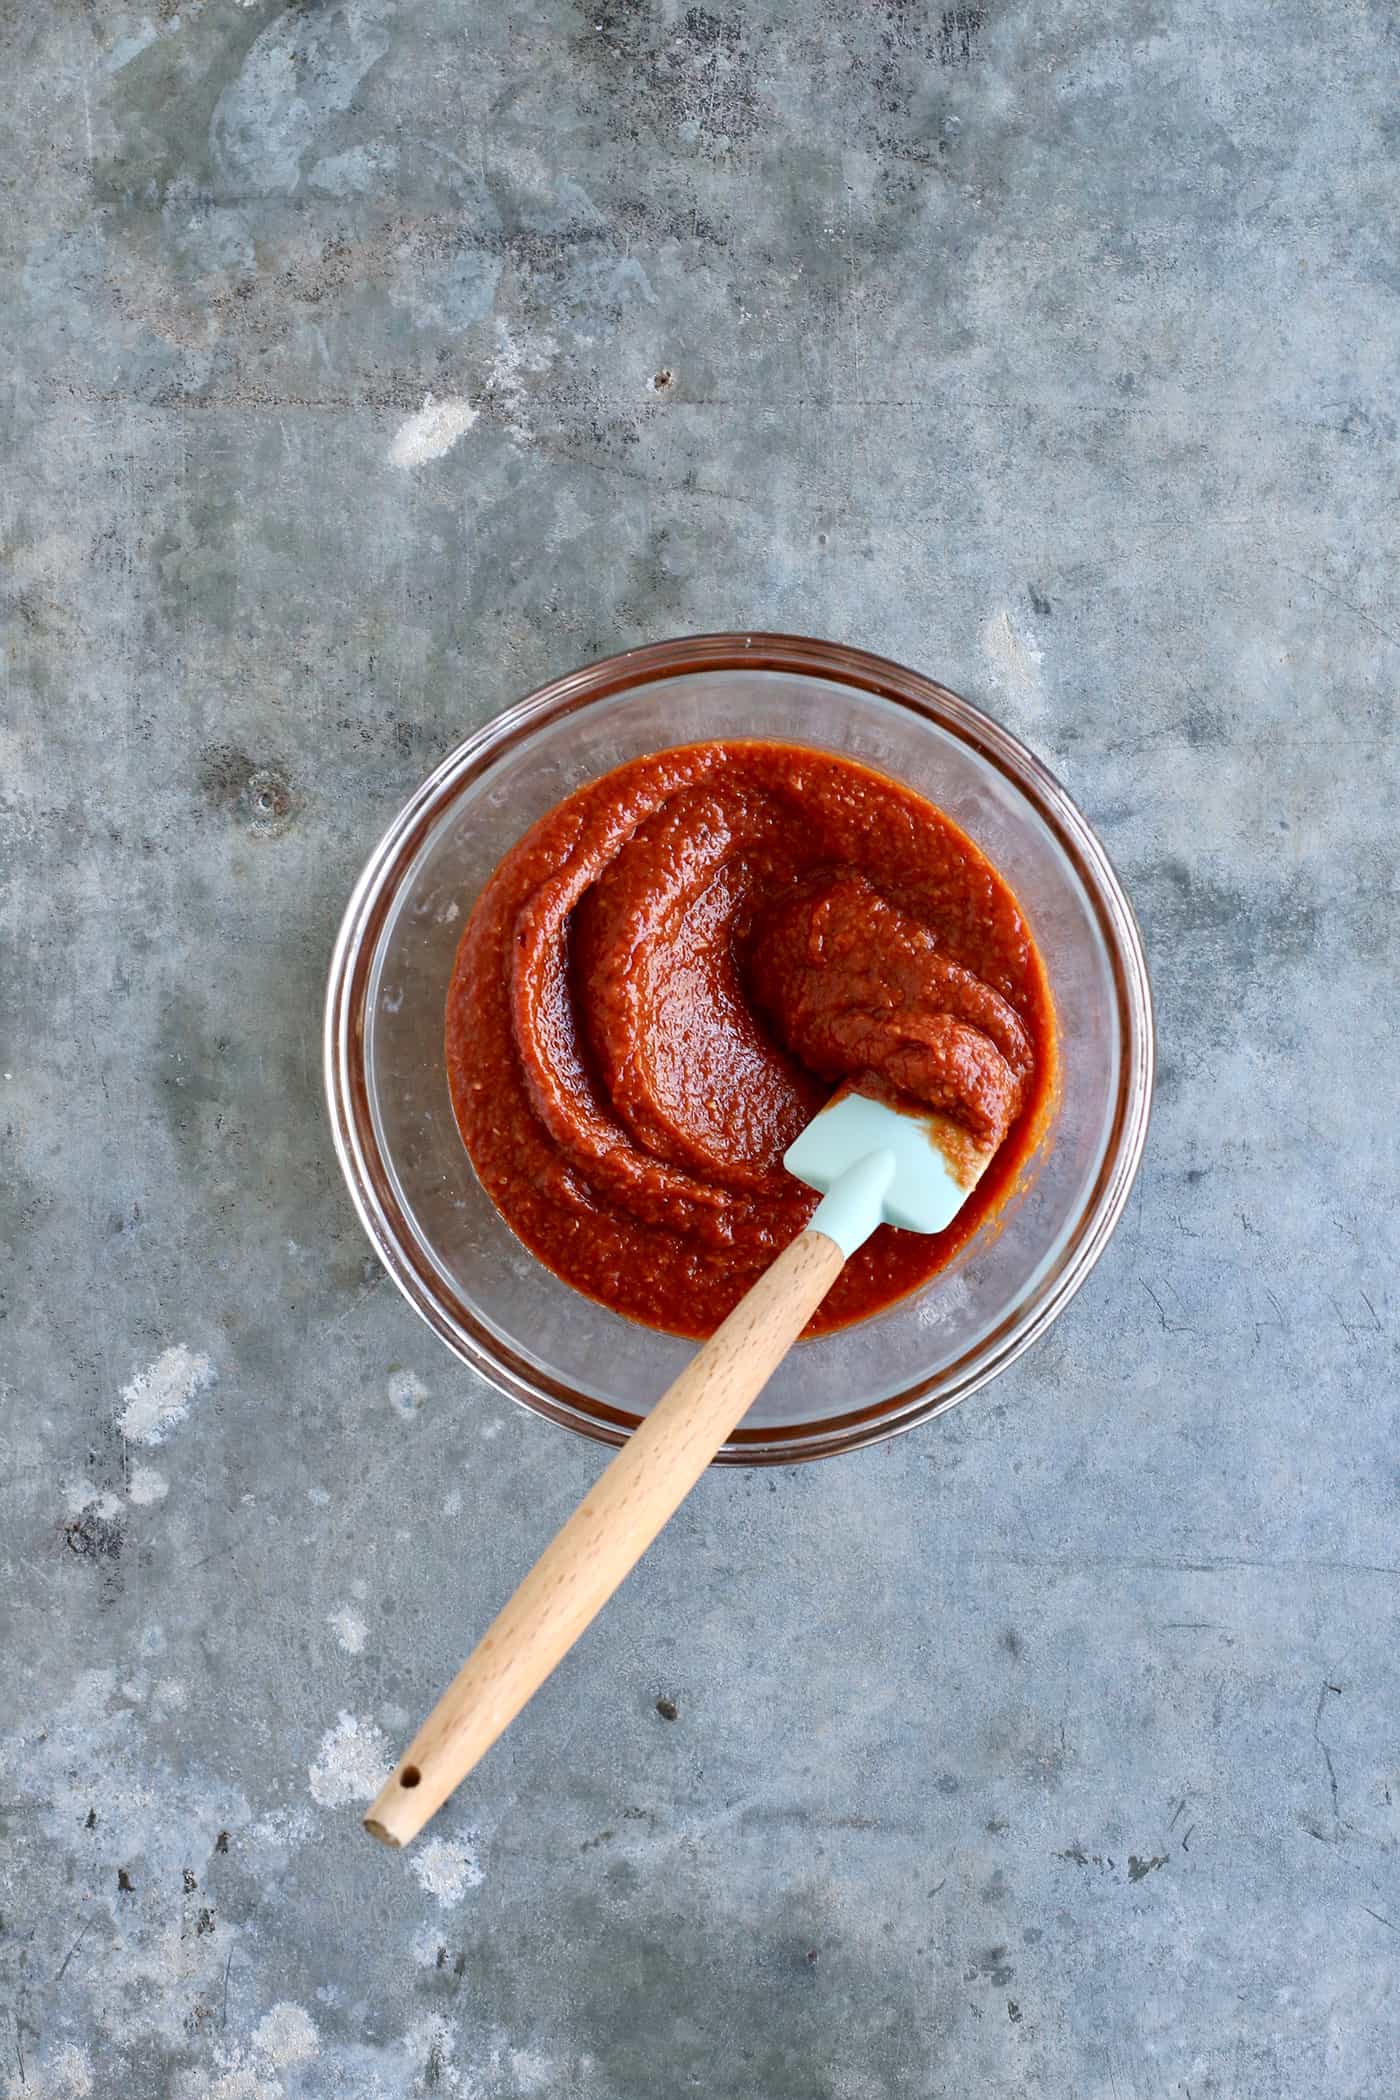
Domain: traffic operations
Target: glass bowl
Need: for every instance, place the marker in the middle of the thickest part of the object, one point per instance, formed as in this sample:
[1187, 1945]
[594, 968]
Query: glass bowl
[432, 1224]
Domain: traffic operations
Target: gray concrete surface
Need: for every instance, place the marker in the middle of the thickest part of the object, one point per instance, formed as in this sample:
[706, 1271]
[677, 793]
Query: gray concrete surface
[1050, 1751]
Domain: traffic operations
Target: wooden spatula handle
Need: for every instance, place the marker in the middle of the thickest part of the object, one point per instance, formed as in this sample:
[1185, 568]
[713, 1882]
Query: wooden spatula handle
[606, 1536]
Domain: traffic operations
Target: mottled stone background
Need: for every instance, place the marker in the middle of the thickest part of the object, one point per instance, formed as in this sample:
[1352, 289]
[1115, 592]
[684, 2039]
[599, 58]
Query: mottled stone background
[1051, 1750]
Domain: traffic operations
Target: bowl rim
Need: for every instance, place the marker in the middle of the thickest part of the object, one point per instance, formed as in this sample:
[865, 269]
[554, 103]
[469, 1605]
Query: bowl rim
[347, 1094]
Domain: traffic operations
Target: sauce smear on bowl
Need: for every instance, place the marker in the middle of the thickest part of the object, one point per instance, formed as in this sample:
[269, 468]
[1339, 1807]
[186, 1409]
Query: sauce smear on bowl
[671, 972]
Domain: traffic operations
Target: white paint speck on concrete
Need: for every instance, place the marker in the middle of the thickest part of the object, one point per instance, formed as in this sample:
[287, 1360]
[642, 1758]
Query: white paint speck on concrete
[530, 2071]
[351, 1765]
[81, 1495]
[1014, 659]
[158, 1398]
[349, 1629]
[447, 1867]
[284, 2038]
[430, 431]
[147, 1485]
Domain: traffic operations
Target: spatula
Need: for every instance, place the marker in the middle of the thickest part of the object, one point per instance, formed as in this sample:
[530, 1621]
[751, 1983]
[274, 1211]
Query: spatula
[874, 1164]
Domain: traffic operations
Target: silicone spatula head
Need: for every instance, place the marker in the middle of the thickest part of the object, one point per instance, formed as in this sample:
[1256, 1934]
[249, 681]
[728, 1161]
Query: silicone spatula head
[878, 1165]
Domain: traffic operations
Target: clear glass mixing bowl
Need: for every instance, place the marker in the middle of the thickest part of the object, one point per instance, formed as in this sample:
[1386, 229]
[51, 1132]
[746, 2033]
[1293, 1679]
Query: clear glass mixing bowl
[438, 1234]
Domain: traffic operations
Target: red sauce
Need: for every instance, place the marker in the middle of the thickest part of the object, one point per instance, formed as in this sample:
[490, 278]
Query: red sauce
[667, 977]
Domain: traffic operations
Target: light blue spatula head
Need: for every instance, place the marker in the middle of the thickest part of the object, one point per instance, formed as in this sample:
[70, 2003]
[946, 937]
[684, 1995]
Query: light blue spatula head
[876, 1165]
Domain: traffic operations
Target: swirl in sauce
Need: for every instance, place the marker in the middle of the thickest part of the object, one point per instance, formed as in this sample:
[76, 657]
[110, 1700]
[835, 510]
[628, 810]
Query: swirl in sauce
[664, 980]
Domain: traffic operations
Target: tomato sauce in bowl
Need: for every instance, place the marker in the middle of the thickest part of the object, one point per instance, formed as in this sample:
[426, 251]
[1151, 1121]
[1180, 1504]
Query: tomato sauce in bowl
[667, 977]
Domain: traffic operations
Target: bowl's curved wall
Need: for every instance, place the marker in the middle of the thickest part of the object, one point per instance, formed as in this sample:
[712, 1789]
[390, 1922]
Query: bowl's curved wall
[411, 1179]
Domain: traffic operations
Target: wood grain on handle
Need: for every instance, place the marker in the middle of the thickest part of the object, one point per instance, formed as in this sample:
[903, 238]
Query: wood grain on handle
[606, 1535]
